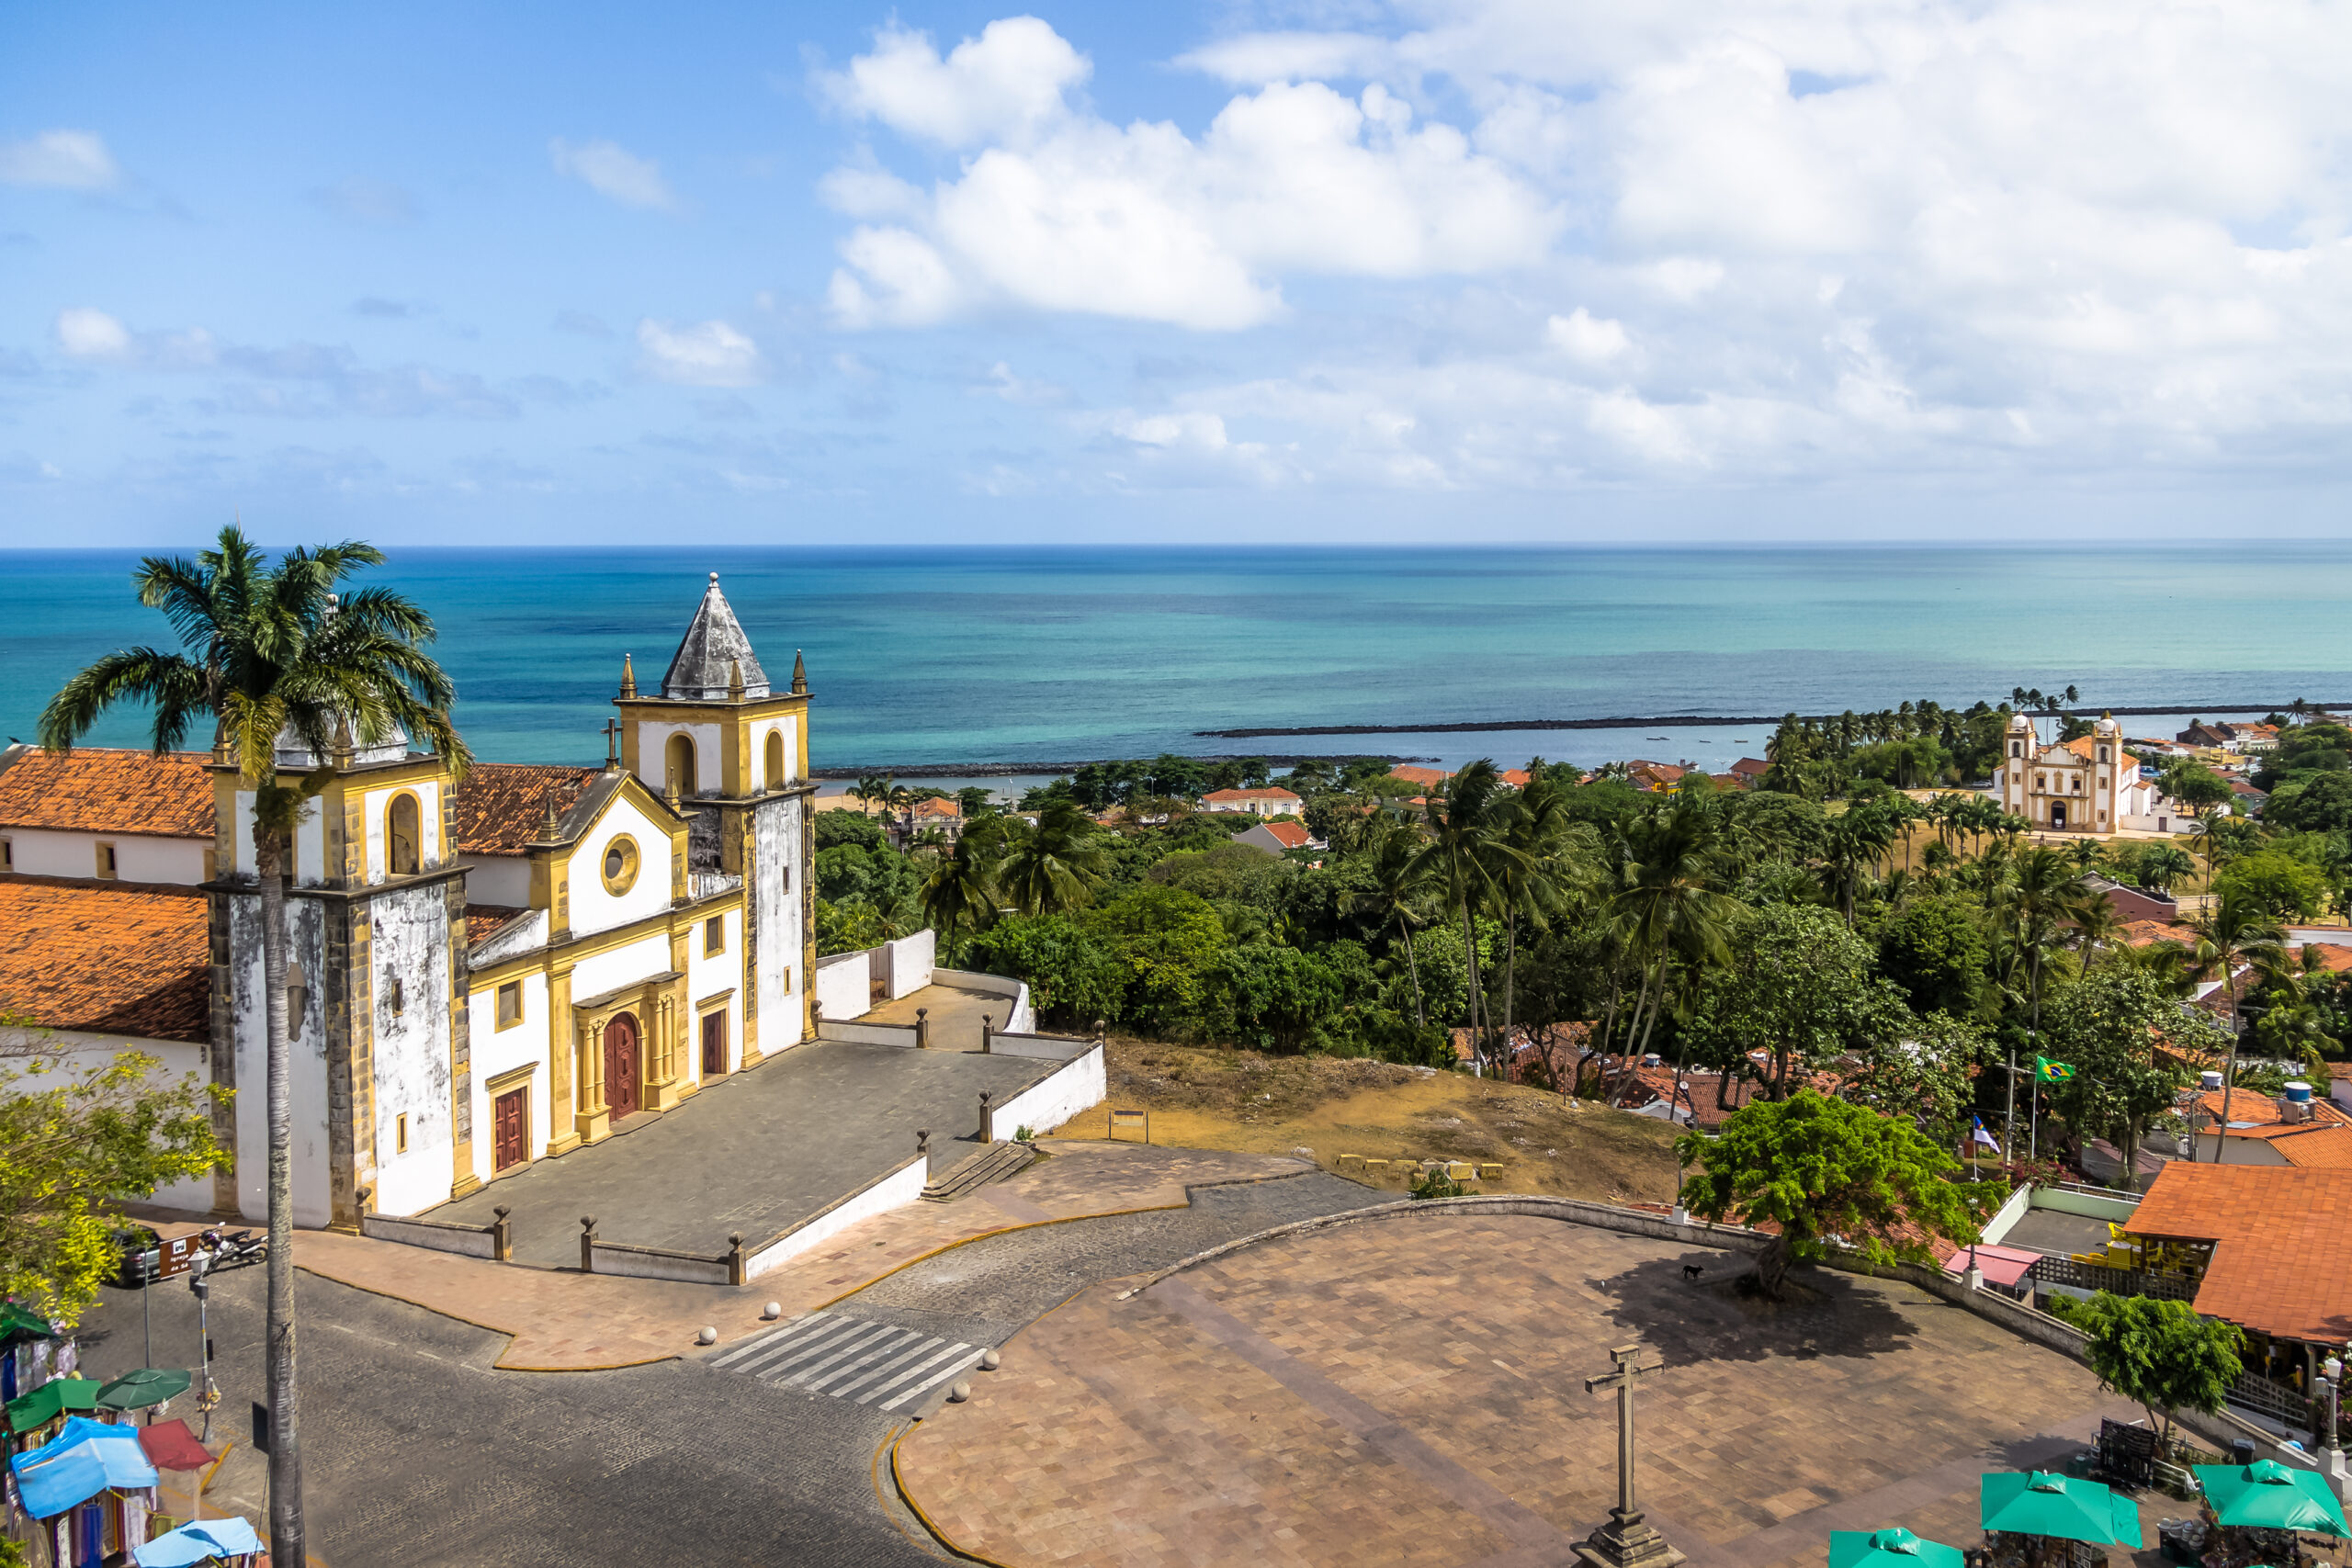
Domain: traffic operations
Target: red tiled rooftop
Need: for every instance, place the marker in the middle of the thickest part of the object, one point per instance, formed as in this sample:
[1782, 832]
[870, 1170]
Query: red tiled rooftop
[2279, 1262]
[502, 806]
[106, 959]
[1428, 778]
[485, 920]
[1292, 835]
[94, 789]
[1241, 794]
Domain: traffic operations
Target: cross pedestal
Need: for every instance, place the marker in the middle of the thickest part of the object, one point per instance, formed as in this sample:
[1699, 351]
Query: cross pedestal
[1627, 1540]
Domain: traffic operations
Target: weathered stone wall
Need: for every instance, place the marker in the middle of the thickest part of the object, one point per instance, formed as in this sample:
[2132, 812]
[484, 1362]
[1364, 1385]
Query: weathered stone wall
[411, 1059]
[773, 943]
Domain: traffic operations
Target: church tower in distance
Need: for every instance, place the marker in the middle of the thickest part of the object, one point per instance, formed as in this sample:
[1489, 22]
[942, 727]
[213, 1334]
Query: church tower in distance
[731, 753]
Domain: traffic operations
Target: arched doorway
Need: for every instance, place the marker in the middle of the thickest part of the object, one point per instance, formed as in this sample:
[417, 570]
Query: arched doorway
[775, 760]
[680, 774]
[2057, 813]
[621, 1062]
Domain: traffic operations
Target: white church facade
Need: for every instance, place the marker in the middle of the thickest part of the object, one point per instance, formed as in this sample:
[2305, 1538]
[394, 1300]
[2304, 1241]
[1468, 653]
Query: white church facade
[2089, 785]
[487, 971]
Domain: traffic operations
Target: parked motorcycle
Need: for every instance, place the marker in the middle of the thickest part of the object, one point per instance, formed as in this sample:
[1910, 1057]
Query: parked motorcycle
[228, 1250]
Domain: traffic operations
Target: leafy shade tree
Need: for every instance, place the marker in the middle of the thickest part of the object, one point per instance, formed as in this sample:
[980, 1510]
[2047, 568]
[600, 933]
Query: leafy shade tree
[2312, 803]
[1169, 943]
[1817, 1167]
[2289, 888]
[1935, 951]
[74, 1141]
[272, 652]
[1073, 976]
[1800, 987]
[1055, 866]
[2201, 792]
[1925, 1074]
[2107, 1028]
[1274, 998]
[2160, 1355]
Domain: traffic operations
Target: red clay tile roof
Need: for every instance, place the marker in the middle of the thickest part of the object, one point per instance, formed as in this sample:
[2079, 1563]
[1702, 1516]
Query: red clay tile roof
[1751, 767]
[483, 921]
[2317, 1147]
[1292, 835]
[1250, 794]
[96, 789]
[1428, 778]
[937, 807]
[2279, 1262]
[108, 960]
[2263, 1111]
[503, 807]
[2140, 933]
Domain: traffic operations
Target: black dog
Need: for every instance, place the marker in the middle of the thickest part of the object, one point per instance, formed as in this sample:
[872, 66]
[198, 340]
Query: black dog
[1691, 1270]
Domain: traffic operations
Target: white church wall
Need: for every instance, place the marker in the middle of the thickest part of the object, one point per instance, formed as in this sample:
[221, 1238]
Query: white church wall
[79, 1052]
[41, 851]
[653, 755]
[306, 1054]
[310, 849]
[499, 879]
[408, 942]
[844, 989]
[497, 1052]
[594, 975]
[709, 977]
[375, 812]
[596, 909]
[774, 897]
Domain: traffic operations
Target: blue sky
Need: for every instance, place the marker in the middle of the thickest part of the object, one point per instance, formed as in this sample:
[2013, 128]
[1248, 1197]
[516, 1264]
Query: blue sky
[1453, 269]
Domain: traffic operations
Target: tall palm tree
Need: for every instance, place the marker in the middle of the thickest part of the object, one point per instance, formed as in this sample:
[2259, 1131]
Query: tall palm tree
[1055, 866]
[2233, 929]
[1669, 908]
[271, 652]
[1400, 882]
[2044, 894]
[1464, 847]
[1533, 883]
[960, 894]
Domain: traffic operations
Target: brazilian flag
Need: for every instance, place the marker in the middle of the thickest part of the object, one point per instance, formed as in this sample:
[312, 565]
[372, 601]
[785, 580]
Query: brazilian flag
[2049, 1071]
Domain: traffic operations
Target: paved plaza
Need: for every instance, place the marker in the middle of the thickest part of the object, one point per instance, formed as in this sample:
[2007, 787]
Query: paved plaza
[755, 1152]
[1410, 1391]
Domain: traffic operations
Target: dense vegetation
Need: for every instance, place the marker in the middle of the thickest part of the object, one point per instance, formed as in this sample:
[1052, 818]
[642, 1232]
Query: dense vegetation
[1825, 928]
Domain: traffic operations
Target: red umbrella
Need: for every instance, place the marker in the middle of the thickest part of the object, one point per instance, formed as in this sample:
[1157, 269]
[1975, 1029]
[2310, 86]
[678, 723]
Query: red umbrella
[171, 1446]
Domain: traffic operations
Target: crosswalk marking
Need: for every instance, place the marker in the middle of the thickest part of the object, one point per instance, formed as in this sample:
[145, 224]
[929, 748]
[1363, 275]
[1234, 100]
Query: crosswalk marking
[851, 1358]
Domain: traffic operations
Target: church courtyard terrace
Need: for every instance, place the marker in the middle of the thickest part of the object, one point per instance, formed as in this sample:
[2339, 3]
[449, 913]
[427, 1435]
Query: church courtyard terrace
[1410, 1390]
[754, 1153]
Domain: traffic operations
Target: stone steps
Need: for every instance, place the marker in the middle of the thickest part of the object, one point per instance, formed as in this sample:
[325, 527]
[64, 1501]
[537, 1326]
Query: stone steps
[976, 1169]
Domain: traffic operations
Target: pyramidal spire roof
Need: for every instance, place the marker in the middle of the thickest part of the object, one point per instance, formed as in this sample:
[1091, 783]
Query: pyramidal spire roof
[713, 647]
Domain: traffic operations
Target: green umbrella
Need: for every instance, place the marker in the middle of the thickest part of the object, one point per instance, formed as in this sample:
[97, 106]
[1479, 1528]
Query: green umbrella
[2045, 1503]
[58, 1396]
[1891, 1548]
[2268, 1495]
[148, 1385]
[18, 1323]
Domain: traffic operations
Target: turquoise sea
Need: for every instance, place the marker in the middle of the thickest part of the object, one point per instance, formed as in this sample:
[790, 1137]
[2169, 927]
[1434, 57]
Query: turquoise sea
[965, 656]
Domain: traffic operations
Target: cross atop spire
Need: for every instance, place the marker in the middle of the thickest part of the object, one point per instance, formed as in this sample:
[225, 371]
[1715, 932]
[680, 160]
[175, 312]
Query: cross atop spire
[703, 667]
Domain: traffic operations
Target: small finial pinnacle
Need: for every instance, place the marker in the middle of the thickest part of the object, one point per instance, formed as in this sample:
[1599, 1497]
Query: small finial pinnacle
[714, 579]
[799, 672]
[629, 676]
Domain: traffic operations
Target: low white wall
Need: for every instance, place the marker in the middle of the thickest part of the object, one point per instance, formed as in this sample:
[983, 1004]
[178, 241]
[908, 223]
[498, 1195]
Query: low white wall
[2116, 1207]
[471, 1241]
[895, 1190]
[1068, 1089]
[868, 1033]
[139, 857]
[843, 986]
[2007, 1215]
[1021, 1020]
[1049, 1047]
[907, 963]
[653, 1263]
[82, 1052]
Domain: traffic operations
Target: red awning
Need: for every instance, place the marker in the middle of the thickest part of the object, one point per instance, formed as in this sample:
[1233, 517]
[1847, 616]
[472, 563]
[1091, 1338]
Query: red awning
[171, 1446]
[2003, 1266]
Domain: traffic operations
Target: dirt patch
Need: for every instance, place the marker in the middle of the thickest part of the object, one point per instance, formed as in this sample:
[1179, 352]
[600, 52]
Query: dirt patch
[1211, 1099]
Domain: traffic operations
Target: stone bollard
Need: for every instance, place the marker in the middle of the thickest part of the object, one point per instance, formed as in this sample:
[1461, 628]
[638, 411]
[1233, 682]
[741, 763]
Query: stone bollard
[986, 1033]
[739, 1267]
[988, 1117]
[922, 1140]
[587, 1244]
[1101, 1029]
[501, 1235]
[922, 1029]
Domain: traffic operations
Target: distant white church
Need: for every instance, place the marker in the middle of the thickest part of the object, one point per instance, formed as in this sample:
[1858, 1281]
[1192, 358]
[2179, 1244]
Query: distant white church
[2089, 785]
[486, 972]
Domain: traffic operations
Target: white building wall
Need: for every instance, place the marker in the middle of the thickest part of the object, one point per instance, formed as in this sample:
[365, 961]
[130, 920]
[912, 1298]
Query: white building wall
[409, 941]
[499, 879]
[594, 909]
[81, 1052]
[500, 1051]
[654, 754]
[139, 857]
[774, 897]
[709, 977]
[760, 733]
[604, 972]
[375, 811]
[306, 1056]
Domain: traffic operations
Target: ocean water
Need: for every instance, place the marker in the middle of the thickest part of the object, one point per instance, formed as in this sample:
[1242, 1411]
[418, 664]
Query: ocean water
[1035, 656]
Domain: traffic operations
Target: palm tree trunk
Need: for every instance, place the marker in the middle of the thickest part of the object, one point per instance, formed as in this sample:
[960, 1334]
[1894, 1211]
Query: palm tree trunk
[286, 1543]
[1420, 1015]
[1511, 980]
[2230, 1074]
[1470, 959]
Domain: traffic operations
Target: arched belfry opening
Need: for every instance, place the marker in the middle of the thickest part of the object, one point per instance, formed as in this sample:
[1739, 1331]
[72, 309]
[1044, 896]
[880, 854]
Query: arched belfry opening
[678, 773]
[774, 772]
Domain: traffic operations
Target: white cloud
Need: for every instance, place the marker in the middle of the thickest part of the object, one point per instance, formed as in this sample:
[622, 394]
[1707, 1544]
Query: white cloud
[1585, 340]
[91, 334]
[1061, 210]
[612, 171]
[69, 160]
[709, 353]
[1006, 83]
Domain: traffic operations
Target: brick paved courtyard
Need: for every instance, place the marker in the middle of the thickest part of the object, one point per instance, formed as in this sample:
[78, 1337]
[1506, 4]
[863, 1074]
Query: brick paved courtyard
[1410, 1391]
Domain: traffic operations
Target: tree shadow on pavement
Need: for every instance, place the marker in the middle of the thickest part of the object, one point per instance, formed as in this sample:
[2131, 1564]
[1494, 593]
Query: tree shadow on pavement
[1714, 1318]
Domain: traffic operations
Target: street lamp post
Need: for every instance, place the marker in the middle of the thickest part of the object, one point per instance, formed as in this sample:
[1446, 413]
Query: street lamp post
[206, 1395]
[2331, 1373]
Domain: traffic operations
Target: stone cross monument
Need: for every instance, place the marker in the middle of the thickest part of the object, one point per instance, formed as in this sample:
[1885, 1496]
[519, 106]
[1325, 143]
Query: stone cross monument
[1626, 1540]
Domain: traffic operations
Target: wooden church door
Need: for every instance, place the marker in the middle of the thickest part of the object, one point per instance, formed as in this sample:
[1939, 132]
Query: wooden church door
[620, 1067]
